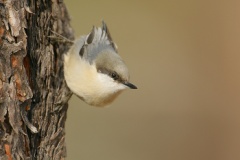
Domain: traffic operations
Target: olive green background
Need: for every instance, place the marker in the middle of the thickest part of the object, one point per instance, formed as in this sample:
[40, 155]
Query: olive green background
[184, 57]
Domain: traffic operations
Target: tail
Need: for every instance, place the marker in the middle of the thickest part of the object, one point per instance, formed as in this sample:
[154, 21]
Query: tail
[99, 35]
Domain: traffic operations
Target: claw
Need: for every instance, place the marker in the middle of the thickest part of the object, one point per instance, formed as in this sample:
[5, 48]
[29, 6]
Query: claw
[61, 38]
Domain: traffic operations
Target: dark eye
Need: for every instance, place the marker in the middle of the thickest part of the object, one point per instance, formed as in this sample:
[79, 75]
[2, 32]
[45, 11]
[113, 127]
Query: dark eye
[114, 75]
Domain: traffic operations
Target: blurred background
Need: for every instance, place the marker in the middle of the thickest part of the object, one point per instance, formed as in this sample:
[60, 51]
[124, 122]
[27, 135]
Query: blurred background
[184, 57]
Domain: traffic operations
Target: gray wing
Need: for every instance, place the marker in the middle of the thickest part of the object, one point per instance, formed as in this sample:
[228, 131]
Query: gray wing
[98, 40]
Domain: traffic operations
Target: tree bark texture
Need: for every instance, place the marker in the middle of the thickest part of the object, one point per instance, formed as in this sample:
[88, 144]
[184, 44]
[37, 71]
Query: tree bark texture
[32, 85]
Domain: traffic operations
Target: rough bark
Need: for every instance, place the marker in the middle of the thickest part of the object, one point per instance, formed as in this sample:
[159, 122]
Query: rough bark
[32, 85]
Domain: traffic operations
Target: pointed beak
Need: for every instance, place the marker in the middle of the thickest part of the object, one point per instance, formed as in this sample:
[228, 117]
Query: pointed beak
[130, 85]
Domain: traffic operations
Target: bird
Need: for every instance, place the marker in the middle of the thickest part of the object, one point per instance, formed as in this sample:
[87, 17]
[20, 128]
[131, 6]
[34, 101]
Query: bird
[94, 70]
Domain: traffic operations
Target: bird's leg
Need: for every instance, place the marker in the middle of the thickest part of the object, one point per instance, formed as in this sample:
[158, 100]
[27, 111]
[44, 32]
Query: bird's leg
[58, 37]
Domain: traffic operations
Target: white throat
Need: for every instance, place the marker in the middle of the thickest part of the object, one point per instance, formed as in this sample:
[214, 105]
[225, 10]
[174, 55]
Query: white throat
[93, 87]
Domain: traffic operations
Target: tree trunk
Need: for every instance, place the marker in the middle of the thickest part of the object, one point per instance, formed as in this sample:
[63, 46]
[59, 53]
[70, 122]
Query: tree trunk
[32, 85]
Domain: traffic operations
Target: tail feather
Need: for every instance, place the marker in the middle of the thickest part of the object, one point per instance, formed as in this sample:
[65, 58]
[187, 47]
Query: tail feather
[98, 35]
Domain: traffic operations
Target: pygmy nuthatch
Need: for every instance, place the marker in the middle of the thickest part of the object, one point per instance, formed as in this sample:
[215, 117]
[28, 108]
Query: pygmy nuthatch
[93, 69]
